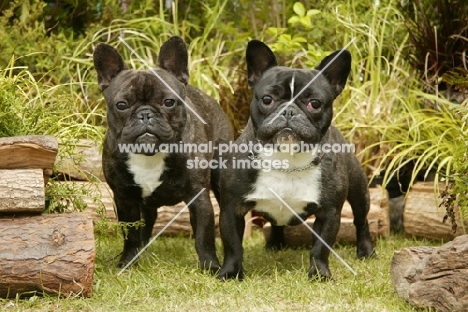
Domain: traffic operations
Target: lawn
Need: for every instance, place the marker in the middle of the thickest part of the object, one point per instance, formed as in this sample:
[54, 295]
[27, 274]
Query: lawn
[166, 279]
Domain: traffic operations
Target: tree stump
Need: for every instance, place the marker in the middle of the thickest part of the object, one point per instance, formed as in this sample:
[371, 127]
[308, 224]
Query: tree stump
[433, 277]
[378, 218]
[54, 254]
[22, 191]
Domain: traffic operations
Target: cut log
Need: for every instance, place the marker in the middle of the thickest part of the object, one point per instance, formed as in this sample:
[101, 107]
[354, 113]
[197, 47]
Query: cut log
[29, 152]
[423, 217]
[181, 226]
[85, 164]
[433, 277]
[22, 191]
[54, 254]
[300, 235]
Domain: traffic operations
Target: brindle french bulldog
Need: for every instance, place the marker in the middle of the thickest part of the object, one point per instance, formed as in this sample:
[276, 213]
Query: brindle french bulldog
[145, 113]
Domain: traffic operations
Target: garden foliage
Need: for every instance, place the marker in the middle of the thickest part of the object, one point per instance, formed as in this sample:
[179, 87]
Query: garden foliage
[391, 110]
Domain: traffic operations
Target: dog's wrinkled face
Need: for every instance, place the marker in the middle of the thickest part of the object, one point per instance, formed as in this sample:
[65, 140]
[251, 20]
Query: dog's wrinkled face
[308, 116]
[282, 110]
[141, 109]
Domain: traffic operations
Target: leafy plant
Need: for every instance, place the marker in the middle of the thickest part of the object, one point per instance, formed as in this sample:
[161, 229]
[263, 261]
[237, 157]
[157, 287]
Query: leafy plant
[438, 34]
[303, 17]
[425, 138]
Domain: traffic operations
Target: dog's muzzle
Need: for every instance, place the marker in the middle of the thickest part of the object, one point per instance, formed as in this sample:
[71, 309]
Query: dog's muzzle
[286, 136]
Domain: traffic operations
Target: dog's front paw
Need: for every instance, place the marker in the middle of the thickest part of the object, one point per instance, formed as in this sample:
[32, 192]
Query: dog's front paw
[319, 271]
[367, 254]
[230, 272]
[127, 255]
[211, 265]
[365, 250]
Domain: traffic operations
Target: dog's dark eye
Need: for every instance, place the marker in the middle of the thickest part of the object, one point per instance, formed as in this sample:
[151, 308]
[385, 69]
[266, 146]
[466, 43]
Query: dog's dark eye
[314, 104]
[267, 100]
[169, 102]
[121, 105]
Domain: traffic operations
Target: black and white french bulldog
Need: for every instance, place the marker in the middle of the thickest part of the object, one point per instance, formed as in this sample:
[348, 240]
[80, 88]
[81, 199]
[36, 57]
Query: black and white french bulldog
[144, 111]
[292, 108]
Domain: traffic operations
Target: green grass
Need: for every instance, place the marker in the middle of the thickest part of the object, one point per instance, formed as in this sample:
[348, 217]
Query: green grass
[166, 279]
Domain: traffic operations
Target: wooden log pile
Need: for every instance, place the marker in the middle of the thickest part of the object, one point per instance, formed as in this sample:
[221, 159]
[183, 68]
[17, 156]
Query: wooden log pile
[54, 254]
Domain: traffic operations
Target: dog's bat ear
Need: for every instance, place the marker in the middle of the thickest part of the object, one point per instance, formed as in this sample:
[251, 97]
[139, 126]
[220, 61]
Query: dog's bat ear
[336, 68]
[259, 59]
[173, 57]
[108, 63]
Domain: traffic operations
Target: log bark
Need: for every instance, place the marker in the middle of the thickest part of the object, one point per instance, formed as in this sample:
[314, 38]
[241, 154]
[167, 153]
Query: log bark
[300, 235]
[422, 216]
[433, 277]
[54, 254]
[29, 152]
[22, 191]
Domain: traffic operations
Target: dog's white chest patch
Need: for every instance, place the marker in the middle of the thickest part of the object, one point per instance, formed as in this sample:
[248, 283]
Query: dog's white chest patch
[147, 171]
[297, 189]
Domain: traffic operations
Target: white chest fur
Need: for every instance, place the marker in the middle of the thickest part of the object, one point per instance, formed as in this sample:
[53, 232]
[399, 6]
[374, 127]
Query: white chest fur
[146, 170]
[297, 189]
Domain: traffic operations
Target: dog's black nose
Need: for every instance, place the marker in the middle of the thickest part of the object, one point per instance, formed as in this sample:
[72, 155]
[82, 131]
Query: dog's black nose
[145, 115]
[288, 113]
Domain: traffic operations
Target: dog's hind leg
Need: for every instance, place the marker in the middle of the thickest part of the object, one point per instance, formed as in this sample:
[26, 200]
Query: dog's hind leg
[276, 239]
[358, 198]
[149, 215]
[214, 181]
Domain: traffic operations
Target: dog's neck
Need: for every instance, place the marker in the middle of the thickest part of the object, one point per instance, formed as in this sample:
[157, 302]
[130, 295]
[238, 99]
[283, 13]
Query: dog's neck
[296, 162]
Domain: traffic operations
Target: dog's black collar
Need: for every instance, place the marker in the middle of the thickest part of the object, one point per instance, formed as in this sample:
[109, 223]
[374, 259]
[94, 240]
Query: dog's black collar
[313, 163]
